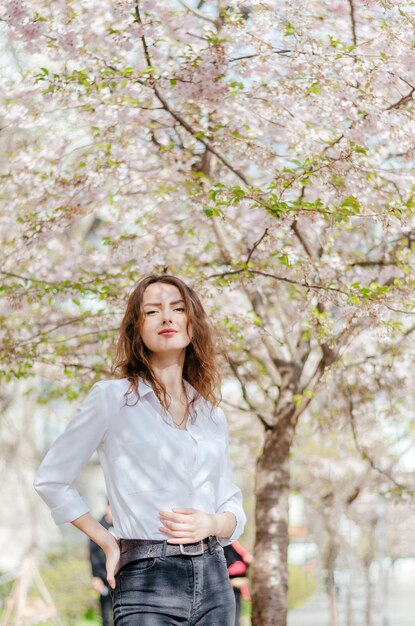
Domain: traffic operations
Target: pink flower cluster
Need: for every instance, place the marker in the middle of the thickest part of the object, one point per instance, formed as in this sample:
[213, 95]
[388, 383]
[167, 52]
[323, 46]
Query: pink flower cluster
[22, 26]
[15, 12]
[203, 80]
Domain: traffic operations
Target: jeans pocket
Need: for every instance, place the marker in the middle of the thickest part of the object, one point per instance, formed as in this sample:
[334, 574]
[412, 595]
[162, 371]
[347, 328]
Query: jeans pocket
[136, 567]
[220, 554]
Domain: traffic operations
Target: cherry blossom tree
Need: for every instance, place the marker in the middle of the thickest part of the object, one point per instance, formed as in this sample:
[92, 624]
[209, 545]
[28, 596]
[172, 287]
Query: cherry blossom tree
[350, 462]
[261, 149]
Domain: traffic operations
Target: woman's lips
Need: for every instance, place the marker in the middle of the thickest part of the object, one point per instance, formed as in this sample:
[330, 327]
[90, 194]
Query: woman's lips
[167, 332]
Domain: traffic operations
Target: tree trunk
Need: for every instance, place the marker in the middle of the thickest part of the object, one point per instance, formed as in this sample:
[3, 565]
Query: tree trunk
[332, 603]
[370, 556]
[350, 586]
[269, 568]
[369, 594]
[330, 566]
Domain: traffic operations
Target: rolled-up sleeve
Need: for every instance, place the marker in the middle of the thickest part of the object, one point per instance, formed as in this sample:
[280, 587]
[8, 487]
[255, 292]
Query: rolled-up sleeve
[68, 454]
[229, 497]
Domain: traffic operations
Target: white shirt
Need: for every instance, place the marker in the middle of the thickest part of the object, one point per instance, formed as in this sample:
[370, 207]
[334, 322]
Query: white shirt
[148, 464]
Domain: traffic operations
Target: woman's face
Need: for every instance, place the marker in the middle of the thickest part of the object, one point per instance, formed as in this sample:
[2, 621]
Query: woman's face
[165, 319]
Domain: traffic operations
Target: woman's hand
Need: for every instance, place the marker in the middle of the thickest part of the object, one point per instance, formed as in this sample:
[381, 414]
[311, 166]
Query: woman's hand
[112, 556]
[104, 539]
[187, 525]
[192, 525]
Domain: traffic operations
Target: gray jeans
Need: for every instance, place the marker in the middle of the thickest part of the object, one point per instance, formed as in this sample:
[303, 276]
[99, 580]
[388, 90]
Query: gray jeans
[176, 590]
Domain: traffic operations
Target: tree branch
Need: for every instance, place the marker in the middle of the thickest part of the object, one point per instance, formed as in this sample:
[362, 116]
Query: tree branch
[295, 228]
[284, 279]
[178, 117]
[75, 320]
[198, 13]
[402, 101]
[379, 262]
[267, 425]
[255, 246]
[251, 56]
[220, 237]
[363, 451]
[353, 21]
[385, 351]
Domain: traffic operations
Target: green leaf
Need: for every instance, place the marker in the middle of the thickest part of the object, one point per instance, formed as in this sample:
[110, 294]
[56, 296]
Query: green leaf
[314, 87]
[297, 398]
[352, 202]
[283, 259]
[212, 212]
[214, 191]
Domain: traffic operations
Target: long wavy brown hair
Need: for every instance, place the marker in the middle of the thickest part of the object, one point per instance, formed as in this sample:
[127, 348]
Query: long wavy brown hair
[132, 358]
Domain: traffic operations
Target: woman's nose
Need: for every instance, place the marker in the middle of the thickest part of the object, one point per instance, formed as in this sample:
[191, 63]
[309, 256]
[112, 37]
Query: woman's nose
[166, 313]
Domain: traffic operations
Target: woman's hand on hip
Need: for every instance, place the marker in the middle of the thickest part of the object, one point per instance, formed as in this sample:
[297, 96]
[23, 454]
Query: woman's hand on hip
[104, 539]
[187, 525]
[112, 556]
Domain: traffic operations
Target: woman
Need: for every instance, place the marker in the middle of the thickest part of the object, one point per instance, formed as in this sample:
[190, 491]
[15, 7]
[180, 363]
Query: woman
[162, 444]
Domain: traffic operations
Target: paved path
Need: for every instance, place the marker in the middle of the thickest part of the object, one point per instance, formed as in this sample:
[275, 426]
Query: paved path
[400, 612]
[314, 613]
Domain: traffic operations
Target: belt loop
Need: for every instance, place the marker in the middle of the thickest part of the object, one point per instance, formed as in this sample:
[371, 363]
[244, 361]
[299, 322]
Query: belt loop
[163, 551]
[210, 544]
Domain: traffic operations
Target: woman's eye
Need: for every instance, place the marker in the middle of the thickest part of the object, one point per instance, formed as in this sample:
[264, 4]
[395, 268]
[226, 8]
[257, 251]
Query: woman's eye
[150, 312]
[181, 309]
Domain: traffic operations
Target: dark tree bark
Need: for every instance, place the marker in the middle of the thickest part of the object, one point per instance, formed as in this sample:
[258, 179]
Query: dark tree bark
[269, 569]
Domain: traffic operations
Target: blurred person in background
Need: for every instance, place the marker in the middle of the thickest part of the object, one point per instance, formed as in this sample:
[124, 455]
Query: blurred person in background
[238, 560]
[99, 573]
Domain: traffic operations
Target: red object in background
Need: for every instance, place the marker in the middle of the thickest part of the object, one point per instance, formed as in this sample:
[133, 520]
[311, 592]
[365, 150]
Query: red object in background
[238, 560]
[238, 568]
[246, 557]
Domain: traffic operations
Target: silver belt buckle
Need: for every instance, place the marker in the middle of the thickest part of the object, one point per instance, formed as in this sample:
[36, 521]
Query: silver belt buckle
[199, 551]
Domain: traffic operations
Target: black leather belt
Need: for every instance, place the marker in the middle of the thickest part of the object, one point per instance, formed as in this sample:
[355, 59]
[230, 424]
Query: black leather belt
[138, 549]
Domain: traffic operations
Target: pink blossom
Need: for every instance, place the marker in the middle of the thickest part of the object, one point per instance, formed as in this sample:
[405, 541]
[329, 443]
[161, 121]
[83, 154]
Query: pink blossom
[357, 135]
[67, 40]
[147, 5]
[32, 30]
[125, 44]
[340, 9]
[15, 11]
